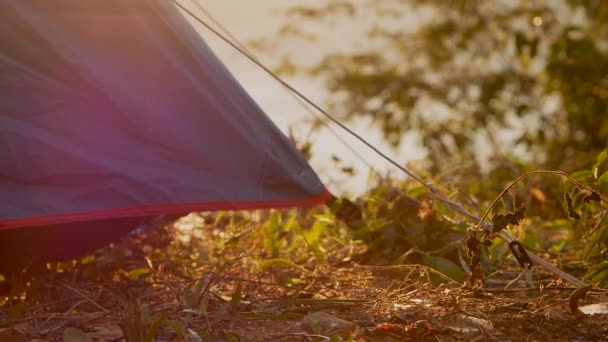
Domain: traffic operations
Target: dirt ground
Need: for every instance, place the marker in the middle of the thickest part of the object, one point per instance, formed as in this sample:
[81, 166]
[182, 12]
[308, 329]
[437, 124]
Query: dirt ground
[142, 299]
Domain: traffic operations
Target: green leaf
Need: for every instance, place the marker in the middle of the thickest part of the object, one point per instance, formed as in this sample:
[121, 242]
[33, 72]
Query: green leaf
[597, 274]
[312, 236]
[244, 223]
[444, 266]
[231, 336]
[271, 230]
[595, 241]
[218, 218]
[601, 157]
[582, 175]
[290, 223]
[75, 335]
[284, 263]
[137, 273]
[603, 178]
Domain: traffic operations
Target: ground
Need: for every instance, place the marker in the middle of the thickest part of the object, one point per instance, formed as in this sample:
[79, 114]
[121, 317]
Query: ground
[152, 288]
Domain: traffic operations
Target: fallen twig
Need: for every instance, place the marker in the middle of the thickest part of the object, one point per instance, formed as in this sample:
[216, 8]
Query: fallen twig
[278, 337]
[84, 296]
[575, 297]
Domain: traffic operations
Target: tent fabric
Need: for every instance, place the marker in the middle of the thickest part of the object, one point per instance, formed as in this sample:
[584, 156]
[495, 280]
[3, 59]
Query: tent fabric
[118, 109]
[115, 112]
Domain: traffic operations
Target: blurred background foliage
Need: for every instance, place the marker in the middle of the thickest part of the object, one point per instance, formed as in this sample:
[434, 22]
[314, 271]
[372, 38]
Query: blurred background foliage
[493, 89]
[479, 81]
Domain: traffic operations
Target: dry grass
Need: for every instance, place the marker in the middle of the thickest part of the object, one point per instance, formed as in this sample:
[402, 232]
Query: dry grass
[207, 290]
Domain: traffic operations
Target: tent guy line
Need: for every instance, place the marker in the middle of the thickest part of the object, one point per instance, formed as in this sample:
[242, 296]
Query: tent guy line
[300, 102]
[304, 97]
[435, 192]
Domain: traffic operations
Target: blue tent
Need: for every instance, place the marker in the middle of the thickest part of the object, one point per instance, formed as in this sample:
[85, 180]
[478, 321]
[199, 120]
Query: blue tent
[114, 112]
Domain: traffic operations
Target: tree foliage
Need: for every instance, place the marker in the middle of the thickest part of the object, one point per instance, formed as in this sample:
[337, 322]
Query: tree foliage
[523, 78]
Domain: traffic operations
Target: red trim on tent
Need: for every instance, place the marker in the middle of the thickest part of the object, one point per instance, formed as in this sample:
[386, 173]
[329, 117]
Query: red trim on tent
[162, 209]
